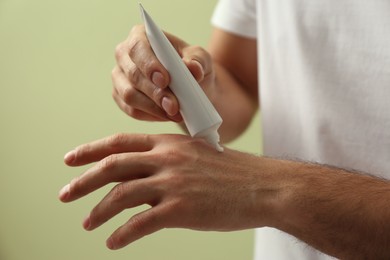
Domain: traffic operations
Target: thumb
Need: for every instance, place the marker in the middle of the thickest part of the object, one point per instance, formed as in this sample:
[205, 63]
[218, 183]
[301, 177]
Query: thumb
[198, 61]
[196, 69]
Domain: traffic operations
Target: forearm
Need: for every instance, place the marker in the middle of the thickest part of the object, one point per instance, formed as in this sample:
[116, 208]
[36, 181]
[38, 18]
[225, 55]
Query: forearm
[341, 213]
[235, 94]
[235, 106]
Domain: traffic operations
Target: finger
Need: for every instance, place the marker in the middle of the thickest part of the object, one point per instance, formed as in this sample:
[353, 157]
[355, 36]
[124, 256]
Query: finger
[138, 50]
[143, 108]
[123, 196]
[134, 98]
[114, 168]
[164, 98]
[147, 64]
[140, 225]
[135, 113]
[130, 91]
[198, 62]
[196, 69]
[119, 143]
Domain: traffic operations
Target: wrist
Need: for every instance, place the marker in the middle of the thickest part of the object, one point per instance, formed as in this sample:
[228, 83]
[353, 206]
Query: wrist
[280, 190]
[266, 192]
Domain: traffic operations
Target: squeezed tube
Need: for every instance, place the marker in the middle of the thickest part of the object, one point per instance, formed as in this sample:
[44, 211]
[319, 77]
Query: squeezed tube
[199, 115]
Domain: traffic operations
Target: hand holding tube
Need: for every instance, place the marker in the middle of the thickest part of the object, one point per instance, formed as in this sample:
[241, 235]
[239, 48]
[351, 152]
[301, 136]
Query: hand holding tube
[140, 81]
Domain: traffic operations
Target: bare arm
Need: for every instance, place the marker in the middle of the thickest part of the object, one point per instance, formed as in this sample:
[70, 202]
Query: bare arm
[190, 185]
[341, 213]
[235, 60]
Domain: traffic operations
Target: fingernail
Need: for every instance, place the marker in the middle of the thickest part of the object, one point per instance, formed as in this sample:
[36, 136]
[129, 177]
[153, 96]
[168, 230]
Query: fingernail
[87, 223]
[64, 192]
[110, 244]
[198, 64]
[167, 105]
[70, 157]
[199, 76]
[158, 79]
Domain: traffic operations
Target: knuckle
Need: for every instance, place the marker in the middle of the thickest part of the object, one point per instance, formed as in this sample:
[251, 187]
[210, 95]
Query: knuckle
[176, 156]
[174, 151]
[151, 65]
[200, 54]
[119, 50]
[117, 141]
[129, 95]
[195, 48]
[193, 144]
[199, 51]
[133, 74]
[178, 205]
[157, 94]
[118, 193]
[136, 29]
[173, 155]
[174, 180]
[138, 223]
[114, 94]
[134, 113]
[109, 163]
[114, 72]
[140, 53]
[135, 45]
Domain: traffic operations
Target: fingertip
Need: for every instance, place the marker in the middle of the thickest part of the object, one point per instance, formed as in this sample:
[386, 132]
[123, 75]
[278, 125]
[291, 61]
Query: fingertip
[169, 106]
[70, 157]
[87, 223]
[114, 242]
[196, 69]
[64, 193]
[110, 244]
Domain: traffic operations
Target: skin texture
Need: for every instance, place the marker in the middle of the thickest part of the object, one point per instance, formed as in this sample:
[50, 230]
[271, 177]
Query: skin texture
[167, 172]
[190, 185]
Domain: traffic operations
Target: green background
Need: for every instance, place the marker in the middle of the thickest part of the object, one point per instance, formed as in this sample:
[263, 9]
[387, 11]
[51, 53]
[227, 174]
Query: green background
[55, 93]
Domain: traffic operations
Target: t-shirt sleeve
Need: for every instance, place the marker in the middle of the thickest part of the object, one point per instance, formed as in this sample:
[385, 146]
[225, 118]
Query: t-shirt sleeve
[236, 16]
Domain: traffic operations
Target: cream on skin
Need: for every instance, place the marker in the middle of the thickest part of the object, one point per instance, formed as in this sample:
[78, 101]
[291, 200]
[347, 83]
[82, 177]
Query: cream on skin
[199, 115]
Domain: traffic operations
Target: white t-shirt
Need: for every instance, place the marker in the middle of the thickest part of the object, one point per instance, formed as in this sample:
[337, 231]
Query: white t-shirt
[324, 73]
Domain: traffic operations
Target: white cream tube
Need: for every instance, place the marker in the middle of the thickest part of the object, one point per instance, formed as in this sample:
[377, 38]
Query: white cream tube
[199, 115]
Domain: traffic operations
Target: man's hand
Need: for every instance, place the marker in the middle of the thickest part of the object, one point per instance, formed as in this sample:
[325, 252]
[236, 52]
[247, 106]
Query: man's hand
[186, 182]
[140, 81]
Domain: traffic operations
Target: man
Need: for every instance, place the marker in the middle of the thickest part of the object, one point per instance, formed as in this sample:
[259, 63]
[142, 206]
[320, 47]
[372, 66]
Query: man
[324, 74]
